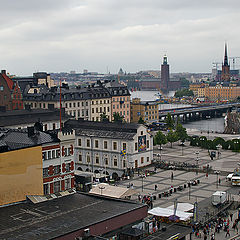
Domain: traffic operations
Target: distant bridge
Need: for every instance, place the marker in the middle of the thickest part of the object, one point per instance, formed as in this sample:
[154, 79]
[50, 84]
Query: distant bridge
[198, 112]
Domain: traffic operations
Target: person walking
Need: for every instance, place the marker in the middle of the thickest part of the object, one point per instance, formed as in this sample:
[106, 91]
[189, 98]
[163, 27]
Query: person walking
[172, 176]
[227, 233]
[231, 216]
[155, 187]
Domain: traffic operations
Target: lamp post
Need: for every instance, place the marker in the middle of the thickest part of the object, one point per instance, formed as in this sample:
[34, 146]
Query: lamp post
[197, 159]
[217, 172]
[218, 149]
[142, 176]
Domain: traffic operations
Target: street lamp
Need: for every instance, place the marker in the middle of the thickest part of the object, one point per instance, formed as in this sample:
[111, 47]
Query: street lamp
[218, 148]
[217, 172]
[142, 176]
[197, 159]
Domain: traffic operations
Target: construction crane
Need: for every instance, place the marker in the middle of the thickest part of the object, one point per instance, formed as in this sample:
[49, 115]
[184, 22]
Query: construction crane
[234, 61]
[215, 64]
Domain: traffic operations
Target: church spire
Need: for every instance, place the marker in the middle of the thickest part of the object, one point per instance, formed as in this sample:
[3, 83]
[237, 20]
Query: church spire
[225, 56]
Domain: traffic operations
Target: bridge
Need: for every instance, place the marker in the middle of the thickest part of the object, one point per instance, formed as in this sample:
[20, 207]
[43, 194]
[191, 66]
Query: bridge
[198, 112]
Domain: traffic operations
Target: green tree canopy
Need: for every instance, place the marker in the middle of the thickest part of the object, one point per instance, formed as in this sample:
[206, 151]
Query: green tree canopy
[172, 137]
[117, 117]
[103, 117]
[160, 139]
[184, 92]
[169, 121]
[181, 132]
[140, 120]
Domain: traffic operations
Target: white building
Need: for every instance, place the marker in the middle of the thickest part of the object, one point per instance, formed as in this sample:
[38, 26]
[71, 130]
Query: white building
[114, 148]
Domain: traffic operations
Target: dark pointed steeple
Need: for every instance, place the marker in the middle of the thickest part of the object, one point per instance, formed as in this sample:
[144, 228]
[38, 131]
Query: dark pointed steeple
[225, 56]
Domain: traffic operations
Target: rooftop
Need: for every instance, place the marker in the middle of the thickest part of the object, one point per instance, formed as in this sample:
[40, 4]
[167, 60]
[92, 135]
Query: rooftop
[48, 220]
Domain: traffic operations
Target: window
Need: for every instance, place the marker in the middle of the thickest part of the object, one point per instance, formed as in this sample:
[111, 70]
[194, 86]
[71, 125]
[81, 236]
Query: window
[113, 106]
[67, 183]
[44, 105]
[97, 159]
[74, 104]
[141, 132]
[115, 162]
[82, 104]
[124, 163]
[1, 88]
[54, 126]
[96, 143]
[58, 153]
[136, 146]
[56, 187]
[44, 155]
[96, 110]
[45, 172]
[49, 155]
[92, 110]
[66, 105]
[106, 161]
[108, 109]
[82, 112]
[142, 160]
[147, 143]
[88, 159]
[57, 169]
[70, 105]
[67, 167]
[114, 145]
[46, 189]
[86, 113]
[80, 157]
[79, 142]
[124, 146]
[78, 104]
[53, 153]
[86, 104]
[88, 142]
[147, 159]
[105, 144]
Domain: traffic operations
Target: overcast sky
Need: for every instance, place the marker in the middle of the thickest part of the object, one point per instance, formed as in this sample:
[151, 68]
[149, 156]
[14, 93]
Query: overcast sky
[65, 35]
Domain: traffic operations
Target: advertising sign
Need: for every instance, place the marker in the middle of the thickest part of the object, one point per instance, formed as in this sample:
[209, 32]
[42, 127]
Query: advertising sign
[142, 143]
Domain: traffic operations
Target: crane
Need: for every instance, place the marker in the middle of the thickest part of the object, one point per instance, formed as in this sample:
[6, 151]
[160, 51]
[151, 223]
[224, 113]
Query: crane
[234, 59]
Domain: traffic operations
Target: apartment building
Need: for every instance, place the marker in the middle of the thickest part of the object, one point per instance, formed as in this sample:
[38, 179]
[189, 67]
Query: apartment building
[120, 99]
[111, 148]
[147, 110]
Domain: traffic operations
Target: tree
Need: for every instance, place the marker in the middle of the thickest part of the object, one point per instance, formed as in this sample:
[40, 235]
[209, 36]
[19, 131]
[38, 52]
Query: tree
[103, 117]
[181, 132]
[183, 92]
[141, 121]
[160, 139]
[117, 117]
[172, 137]
[169, 121]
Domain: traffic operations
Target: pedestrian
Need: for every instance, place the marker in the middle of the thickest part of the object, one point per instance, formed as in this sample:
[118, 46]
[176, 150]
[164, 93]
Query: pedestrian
[155, 187]
[172, 176]
[227, 233]
[205, 237]
[213, 237]
[231, 216]
[219, 180]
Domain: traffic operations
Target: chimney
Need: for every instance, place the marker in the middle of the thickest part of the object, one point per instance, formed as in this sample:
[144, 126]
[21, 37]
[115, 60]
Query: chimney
[30, 131]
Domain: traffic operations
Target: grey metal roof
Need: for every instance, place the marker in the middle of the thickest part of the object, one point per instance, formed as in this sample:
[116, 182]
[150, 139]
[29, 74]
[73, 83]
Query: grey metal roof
[105, 134]
[17, 139]
[61, 216]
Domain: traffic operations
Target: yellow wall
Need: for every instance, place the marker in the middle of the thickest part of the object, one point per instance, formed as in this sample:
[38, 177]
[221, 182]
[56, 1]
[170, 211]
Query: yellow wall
[20, 174]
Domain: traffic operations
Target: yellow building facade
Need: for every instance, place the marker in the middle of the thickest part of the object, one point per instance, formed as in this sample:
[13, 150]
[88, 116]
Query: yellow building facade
[147, 110]
[20, 174]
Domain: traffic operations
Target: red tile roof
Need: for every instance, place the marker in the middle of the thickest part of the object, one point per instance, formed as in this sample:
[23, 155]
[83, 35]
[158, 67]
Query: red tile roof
[8, 80]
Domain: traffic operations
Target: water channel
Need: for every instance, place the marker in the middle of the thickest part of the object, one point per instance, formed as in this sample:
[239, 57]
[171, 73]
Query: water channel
[214, 124]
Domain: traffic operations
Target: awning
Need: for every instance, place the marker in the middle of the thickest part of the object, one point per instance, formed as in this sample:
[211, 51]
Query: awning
[166, 212]
[184, 207]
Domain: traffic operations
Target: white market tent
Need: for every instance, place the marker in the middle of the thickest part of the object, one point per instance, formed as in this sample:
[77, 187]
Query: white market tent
[166, 212]
[105, 189]
[184, 207]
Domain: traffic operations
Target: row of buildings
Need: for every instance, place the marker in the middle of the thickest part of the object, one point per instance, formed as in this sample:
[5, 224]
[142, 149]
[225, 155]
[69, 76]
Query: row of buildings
[46, 160]
[96, 102]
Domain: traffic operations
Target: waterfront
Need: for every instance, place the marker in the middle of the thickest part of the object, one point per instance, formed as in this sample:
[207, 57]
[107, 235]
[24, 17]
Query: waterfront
[207, 125]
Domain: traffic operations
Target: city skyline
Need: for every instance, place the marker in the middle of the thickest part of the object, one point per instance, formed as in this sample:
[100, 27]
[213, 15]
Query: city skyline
[61, 35]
